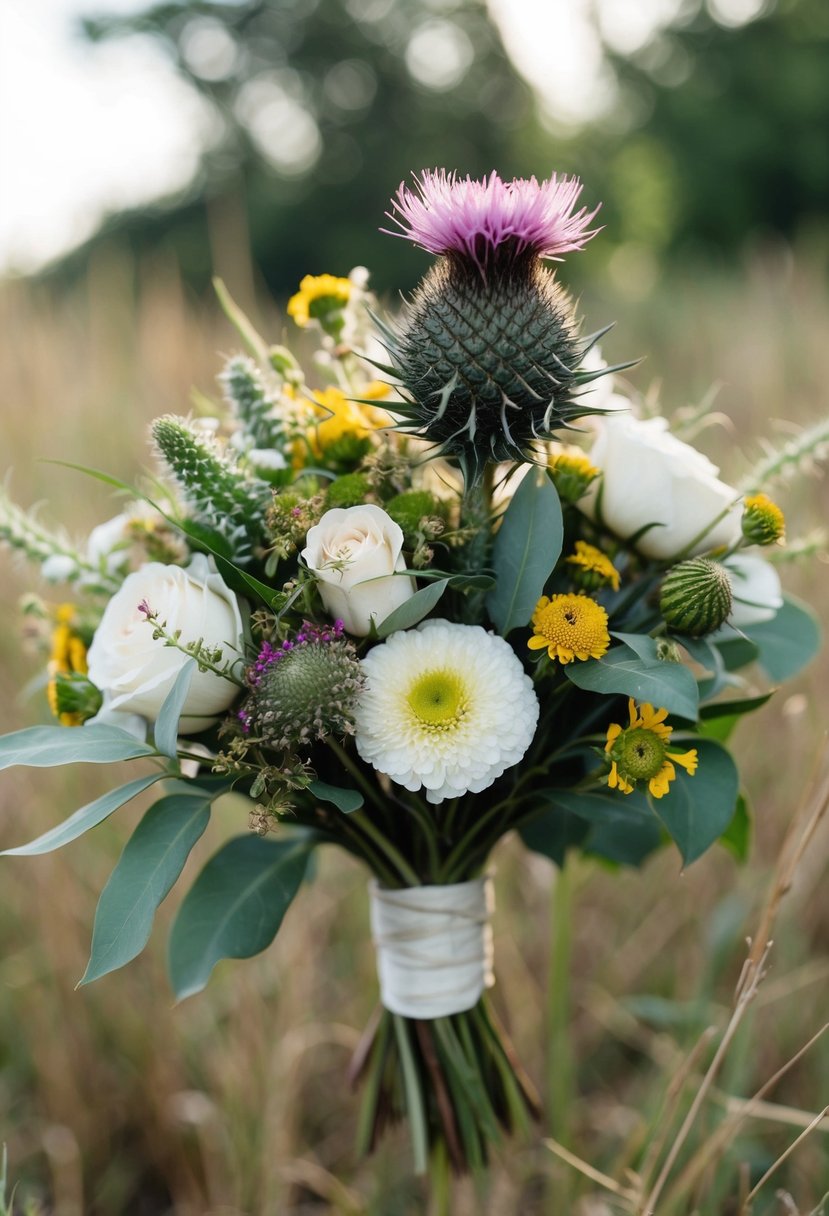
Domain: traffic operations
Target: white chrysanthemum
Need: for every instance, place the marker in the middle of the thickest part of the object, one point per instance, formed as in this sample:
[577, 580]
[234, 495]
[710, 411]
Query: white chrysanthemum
[447, 707]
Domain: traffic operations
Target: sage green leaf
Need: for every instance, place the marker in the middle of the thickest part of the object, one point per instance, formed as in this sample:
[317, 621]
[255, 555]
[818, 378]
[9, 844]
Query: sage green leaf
[737, 836]
[664, 685]
[151, 862]
[235, 906]
[622, 827]
[165, 734]
[527, 547]
[50, 746]
[787, 642]
[87, 817]
[343, 799]
[414, 610]
[697, 810]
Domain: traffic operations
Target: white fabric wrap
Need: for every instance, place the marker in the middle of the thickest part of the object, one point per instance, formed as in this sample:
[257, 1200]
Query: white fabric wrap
[434, 946]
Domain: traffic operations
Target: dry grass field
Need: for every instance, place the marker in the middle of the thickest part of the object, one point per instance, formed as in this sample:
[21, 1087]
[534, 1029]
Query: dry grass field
[115, 1102]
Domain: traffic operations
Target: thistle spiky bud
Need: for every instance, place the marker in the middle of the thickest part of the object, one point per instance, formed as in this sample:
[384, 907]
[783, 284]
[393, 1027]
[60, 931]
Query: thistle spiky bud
[489, 354]
[304, 689]
[218, 493]
[696, 597]
[763, 521]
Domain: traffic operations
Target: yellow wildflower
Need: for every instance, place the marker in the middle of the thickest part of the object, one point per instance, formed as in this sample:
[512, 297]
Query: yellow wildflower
[569, 627]
[593, 568]
[639, 752]
[318, 295]
[763, 521]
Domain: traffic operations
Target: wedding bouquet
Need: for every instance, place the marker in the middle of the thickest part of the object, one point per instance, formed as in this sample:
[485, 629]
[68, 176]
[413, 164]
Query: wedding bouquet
[385, 601]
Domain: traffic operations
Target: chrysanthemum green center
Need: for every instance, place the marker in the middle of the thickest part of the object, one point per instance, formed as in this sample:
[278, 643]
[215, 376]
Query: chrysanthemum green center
[641, 754]
[438, 700]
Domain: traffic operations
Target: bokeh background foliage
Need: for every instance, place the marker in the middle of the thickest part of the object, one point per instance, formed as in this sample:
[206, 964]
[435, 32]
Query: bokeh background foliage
[711, 158]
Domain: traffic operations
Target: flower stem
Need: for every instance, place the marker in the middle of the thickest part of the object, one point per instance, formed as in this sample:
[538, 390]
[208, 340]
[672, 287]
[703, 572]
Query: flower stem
[386, 847]
[559, 1057]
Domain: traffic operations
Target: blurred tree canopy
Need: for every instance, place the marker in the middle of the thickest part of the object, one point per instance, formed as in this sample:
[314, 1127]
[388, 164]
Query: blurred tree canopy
[726, 128]
[321, 107]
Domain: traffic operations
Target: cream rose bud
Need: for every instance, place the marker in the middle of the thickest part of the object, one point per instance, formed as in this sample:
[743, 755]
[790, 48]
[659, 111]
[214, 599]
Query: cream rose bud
[650, 476]
[135, 672]
[756, 590]
[353, 553]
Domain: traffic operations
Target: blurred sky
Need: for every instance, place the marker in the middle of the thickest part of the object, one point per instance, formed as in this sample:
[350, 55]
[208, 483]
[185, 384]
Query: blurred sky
[86, 130]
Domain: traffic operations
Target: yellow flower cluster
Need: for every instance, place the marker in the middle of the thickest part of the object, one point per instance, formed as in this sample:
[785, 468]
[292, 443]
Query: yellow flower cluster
[68, 656]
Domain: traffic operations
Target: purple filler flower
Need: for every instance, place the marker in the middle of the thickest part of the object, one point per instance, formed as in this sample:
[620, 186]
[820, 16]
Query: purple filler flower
[445, 214]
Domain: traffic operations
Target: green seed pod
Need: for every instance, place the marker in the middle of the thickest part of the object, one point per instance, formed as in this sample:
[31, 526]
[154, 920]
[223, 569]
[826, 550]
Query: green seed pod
[695, 598]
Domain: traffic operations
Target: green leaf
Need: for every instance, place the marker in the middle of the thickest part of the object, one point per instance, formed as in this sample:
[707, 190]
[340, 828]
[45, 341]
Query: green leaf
[240, 580]
[787, 642]
[149, 865]
[165, 734]
[664, 685]
[87, 817]
[344, 800]
[737, 652]
[527, 547]
[50, 746]
[736, 706]
[552, 832]
[697, 810]
[623, 827]
[414, 609]
[235, 907]
[737, 836]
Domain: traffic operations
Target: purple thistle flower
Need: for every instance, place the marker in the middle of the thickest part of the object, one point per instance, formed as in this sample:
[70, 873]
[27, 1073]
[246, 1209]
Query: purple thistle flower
[445, 214]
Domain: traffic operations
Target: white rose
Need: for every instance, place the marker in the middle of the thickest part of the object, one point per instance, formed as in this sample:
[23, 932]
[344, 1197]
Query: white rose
[756, 588]
[650, 476]
[135, 672]
[353, 553]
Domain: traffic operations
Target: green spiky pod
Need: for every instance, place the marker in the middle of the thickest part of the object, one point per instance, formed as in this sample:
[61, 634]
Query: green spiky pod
[695, 598]
[247, 395]
[350, 490]
[304, 691]
[217, 493]
[489, 365]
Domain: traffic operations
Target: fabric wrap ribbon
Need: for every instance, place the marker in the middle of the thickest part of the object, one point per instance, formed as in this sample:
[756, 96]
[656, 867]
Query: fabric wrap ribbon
[434, 946]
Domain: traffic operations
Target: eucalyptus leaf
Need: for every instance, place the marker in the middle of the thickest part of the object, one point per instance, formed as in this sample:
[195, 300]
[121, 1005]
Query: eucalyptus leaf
[151, 862]
[344, 800]
[527, 547]
[787, 642]
[235, 907]
[165, 733]
[664, 685]
[414, 610]
[697, 810]
[50, 746]
[86, 817]
[623, 828]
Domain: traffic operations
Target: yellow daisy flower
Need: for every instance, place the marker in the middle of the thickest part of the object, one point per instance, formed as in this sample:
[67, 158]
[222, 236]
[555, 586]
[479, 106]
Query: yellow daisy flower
[639, 752]
[569, 627]
[572, 473]
[593, 568]
[763, 521]
[318, 294]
